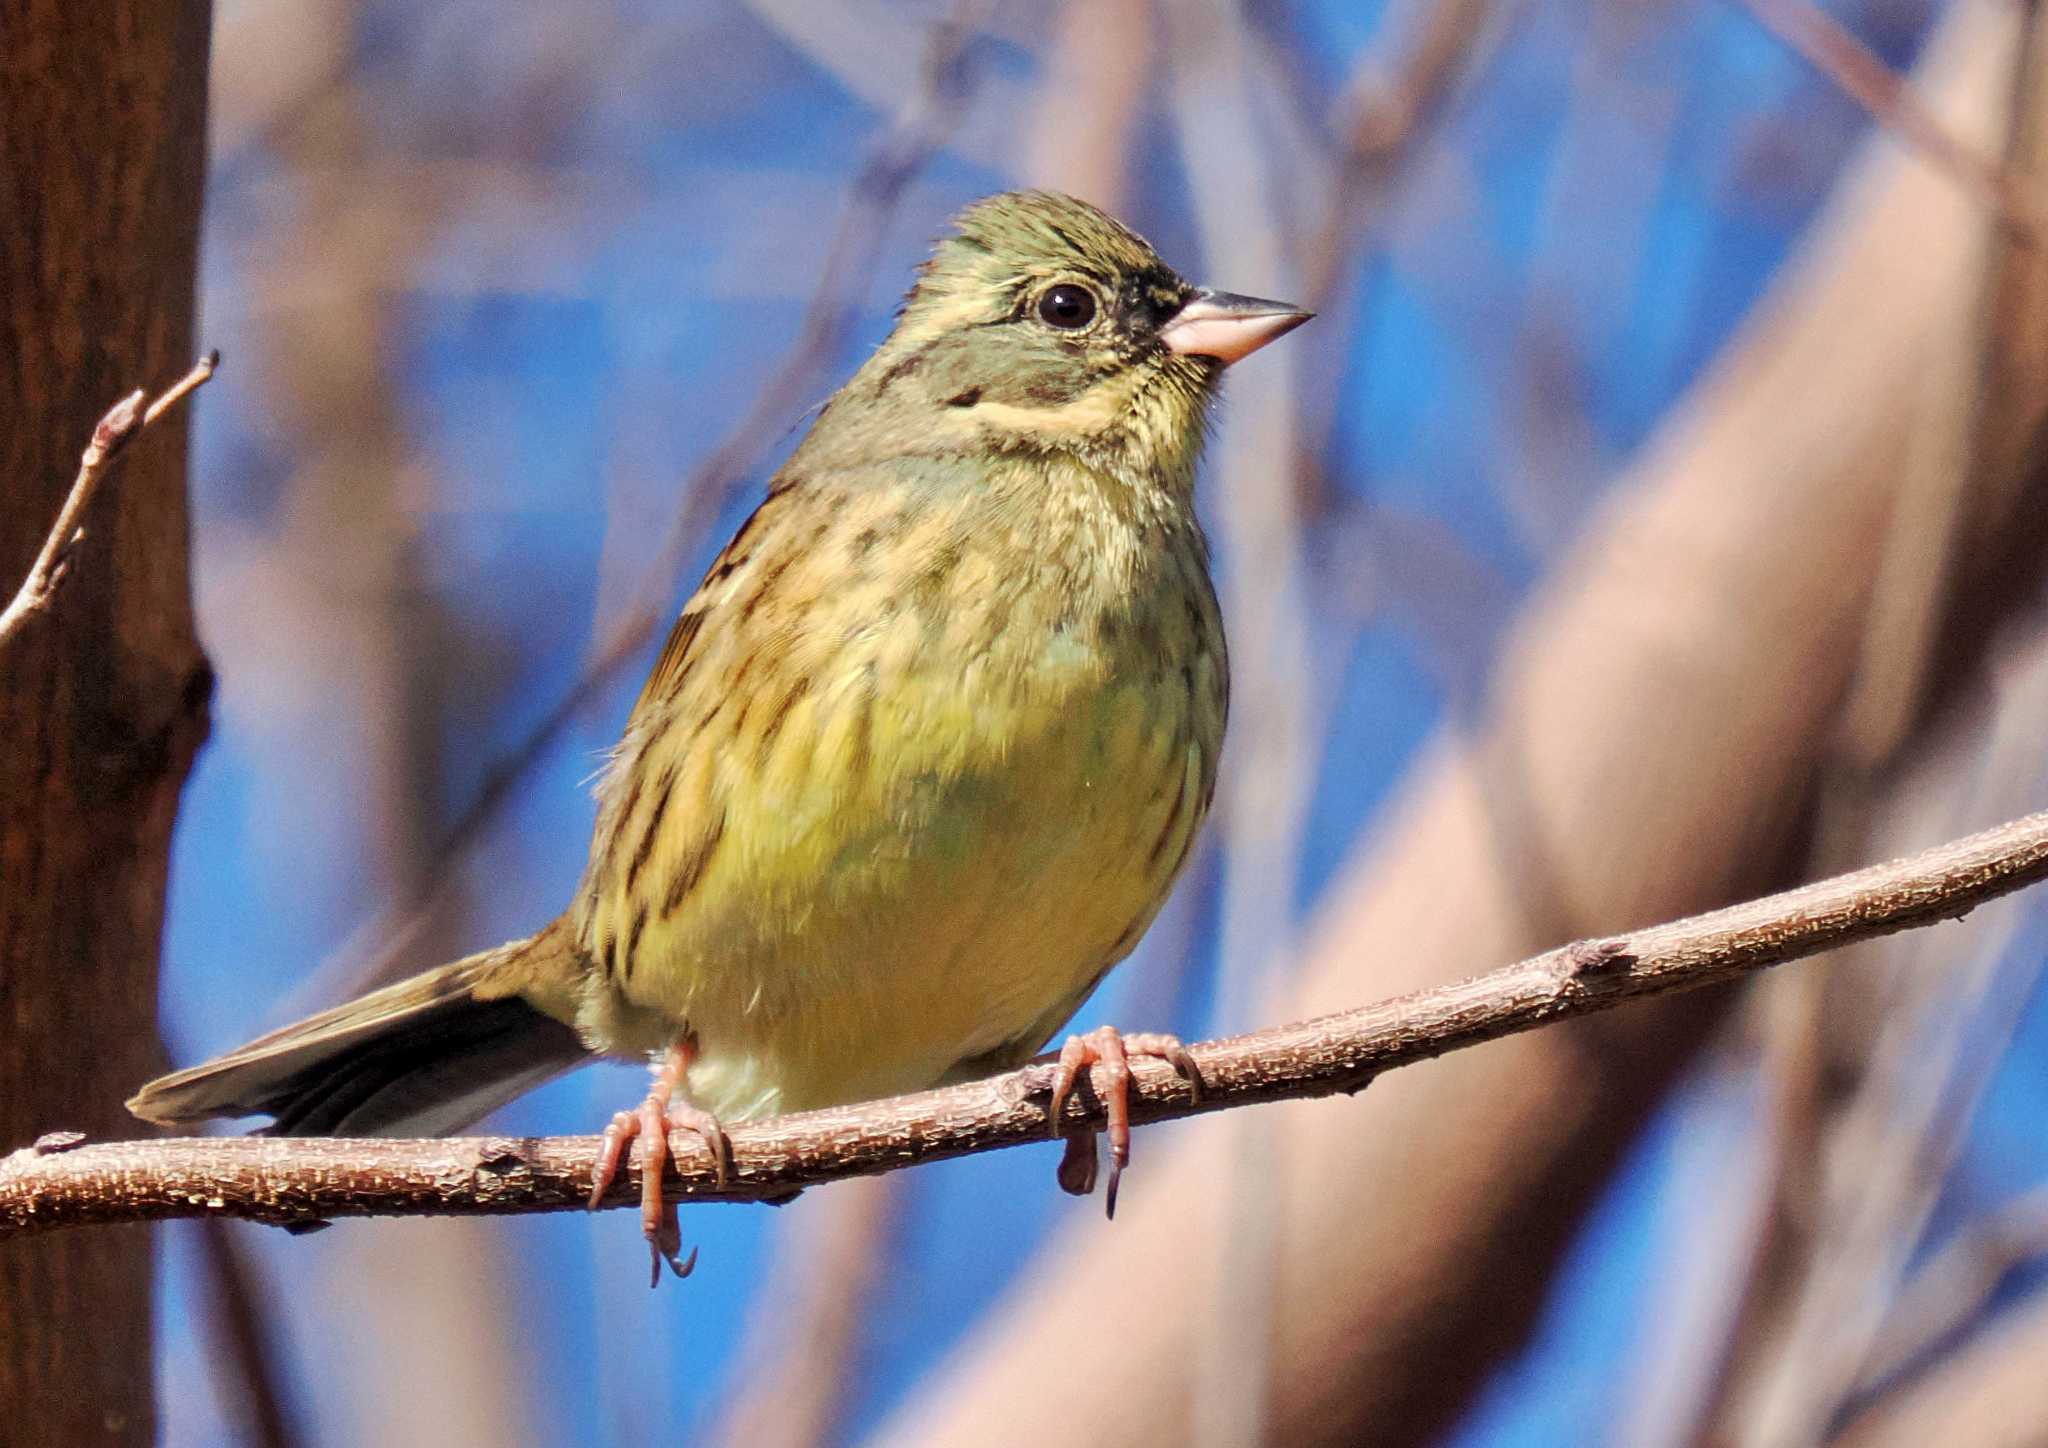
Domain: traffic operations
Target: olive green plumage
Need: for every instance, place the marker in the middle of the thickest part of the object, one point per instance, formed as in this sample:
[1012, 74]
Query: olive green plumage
[924, 753]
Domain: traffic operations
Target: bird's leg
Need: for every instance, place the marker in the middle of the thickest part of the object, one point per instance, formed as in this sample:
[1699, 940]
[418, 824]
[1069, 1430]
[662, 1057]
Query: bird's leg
[651, 1122]
[1109, 1051]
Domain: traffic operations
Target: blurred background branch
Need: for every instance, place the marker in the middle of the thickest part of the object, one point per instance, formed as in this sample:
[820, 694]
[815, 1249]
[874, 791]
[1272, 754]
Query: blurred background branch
[1835, 51]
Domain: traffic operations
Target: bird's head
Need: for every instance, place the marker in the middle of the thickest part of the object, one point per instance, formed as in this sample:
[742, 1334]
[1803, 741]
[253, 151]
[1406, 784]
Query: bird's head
[1040, 324]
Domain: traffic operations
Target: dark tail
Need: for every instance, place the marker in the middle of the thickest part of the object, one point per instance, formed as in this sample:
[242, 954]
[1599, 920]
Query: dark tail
[423, 1057]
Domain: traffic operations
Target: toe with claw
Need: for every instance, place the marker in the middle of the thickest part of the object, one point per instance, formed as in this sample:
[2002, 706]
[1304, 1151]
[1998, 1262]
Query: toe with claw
[1108, 1051]
[651, 1122]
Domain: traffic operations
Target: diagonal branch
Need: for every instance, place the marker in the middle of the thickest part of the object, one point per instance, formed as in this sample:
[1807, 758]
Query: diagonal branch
[122, 424]
[1832, 49]
[302, 1182]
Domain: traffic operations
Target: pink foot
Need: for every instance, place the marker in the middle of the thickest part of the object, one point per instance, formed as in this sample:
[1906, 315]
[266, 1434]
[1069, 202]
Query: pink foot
[1109, 1051]
[651, 1122]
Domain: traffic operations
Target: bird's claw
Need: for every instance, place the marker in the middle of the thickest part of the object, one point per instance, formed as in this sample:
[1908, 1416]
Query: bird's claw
[1109, 1052]
[651, 1122]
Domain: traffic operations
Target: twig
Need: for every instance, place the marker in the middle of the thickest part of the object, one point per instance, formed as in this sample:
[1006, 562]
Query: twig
[1384, 115]
[303, 1182]
[1860, 74]
[124, 421]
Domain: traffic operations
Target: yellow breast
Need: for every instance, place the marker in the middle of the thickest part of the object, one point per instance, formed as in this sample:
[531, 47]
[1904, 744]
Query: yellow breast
[942, 798]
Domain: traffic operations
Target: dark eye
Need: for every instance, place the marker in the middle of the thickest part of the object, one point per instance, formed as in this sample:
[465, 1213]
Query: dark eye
[1067, 306]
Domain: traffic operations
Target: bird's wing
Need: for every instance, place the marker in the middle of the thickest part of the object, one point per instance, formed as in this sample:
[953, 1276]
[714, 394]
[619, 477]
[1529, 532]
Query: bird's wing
[679, 652]
[704, 723]
[674, 654]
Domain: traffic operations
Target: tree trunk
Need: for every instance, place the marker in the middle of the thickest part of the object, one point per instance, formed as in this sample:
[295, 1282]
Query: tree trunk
[103, 697]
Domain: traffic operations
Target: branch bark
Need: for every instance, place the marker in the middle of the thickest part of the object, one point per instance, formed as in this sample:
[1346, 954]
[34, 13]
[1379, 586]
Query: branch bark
[300, 1182]
[123, 423]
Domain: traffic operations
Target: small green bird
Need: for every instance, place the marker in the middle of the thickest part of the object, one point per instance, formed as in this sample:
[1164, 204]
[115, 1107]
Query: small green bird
[919, 763]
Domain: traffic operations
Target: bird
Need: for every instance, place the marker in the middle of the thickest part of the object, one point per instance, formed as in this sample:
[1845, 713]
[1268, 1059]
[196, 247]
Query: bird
[919, 762]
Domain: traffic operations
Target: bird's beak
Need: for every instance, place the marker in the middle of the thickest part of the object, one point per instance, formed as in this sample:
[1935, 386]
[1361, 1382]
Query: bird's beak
[1226, 326]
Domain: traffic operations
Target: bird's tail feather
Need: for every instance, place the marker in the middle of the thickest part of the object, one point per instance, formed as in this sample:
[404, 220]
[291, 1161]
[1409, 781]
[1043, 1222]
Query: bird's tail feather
[426, 1056]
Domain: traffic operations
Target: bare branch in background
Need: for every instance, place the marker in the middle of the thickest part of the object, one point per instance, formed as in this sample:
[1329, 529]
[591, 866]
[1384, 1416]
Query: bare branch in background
[1384, 118]
[810, 1320]
[1951, 1292]
[1811, 1043]
[1892, 1144]
[1099, 70]
[1829, 46]
[1871, 1066]
[2006, 530]
[1386, 112]
[244, 1337]
[1990, 1394]
[1269, 776]
[297, 1181]
[317, 586]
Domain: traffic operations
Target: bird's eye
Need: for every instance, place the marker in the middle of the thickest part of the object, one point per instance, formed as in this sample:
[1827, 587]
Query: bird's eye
[1067, 306]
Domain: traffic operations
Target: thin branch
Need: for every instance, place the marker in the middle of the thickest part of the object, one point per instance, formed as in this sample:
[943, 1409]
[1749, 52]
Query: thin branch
[1383, 117]
[124, 422]
[301, 1182]
[1830, 48]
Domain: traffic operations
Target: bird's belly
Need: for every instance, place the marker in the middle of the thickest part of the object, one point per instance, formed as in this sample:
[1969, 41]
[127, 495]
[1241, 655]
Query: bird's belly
[862, 933]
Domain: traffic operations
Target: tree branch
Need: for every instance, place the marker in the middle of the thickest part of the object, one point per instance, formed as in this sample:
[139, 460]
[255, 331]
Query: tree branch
[302, 1182]
[122, 424]
[1832, 49]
